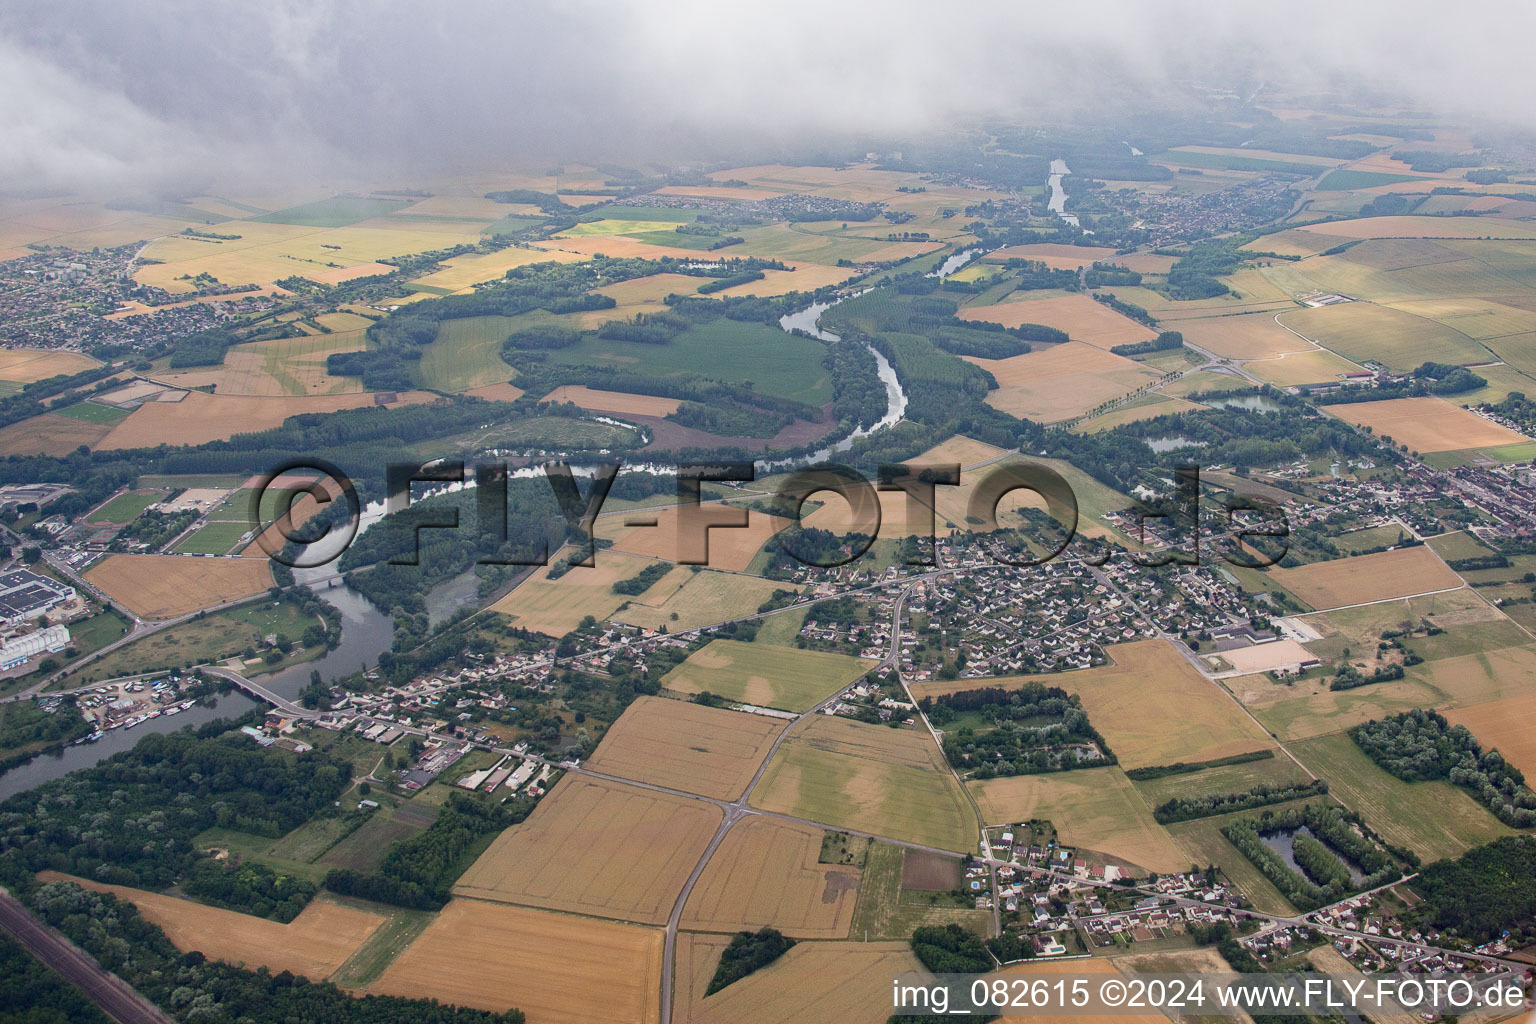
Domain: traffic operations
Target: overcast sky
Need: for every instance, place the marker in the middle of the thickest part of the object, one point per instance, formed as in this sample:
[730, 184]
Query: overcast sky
[165, 92]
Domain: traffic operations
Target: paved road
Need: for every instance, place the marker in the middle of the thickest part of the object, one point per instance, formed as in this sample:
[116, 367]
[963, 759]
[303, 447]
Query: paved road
[112, 994]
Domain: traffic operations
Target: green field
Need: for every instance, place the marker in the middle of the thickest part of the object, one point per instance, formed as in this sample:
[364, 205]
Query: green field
[1433, 819]
[398, 931]
[366, 847]
[1365, 540]
[125, 507]
[336, 212]
[1348, 181]
[881, 913]
[1232, 162]
[769, 676]
[511, 224]
[1231, 778]
[781, 629]
[775, 362]
[216, 537]
[200, 640]
[1400, 341]
[466, 354]
[91, 412]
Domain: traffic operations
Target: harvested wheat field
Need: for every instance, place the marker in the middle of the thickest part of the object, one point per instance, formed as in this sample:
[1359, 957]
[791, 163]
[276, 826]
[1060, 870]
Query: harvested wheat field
[25, 365]
[613, 401]
[556, 968]
[687, 746]
[766, 874]
[775, 677]
[675, 537]
[313, 944]
[1427, 424]
[199, 418]
[1150, 704]
[1048, 969]
[1094, 808]
[1508, 726]
[1061, 381]
[465, 271]
[1402, 572]
[967, 451]
[870, 778]
[1317, 366]
[50, 434]
[1081, 317]
[284, 366]
[1055, 255]
[1249, 336]
[555, 607]
[846, 982]
[496, 392]
[598, 848]
[164, 586]
[1425, 227]
[703, 598]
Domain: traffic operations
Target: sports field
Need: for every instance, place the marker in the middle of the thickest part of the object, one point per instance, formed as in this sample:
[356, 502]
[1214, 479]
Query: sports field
[1061, 381]
[125, 507]
[1149, 704]
[199, 418]
[775, 677]
[871, 778]
[847, 982]
[1433, 819]
[1428, 424]
[687, 746]
[766, 874]
[313, 944]
[164, 586]
[598, 848]
[1081, 317]
[556, 968]
[1508, 726]
[1364, 578]
[1093, 808]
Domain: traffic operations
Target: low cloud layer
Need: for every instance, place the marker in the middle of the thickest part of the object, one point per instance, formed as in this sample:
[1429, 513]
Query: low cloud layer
[168, 93]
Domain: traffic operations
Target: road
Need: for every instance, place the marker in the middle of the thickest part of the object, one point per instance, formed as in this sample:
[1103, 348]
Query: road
[116, 998]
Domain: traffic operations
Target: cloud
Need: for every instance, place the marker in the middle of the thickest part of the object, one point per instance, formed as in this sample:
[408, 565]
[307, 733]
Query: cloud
[170, 90]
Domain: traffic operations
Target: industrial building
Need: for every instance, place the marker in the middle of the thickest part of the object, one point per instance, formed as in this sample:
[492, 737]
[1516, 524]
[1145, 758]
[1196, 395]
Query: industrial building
[17, 650]
[26, 595]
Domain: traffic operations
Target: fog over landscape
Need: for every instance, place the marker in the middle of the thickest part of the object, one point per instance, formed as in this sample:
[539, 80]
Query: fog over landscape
[164, 94]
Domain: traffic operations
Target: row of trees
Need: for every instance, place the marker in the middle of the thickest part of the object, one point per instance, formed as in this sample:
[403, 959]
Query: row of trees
[1187, 808]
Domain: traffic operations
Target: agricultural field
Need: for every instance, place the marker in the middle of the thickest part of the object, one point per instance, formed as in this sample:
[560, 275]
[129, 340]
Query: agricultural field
[598, 848]
[26, 365]
[199, 417]
[555, 607]
[848, 982]
[164, 586]
[703, 598]
[1054, 255]
[314, 944]
[1426, 227]
[1061, 381]
[766, 874]
[1401, 572]
[869, 778]
[1092, 808]
[1427, 424]
[1150, 704]
[687, 746]
[1504, 725]
[1247, 336]
[291, 367]
[556, 968]
[1363, 331]
[1433, 819]
[465, 354]
[1278, 770]
[613, 401]
[729, 548]
[1080, 316]
[50, 433]
[775, 677]
[1147, 407]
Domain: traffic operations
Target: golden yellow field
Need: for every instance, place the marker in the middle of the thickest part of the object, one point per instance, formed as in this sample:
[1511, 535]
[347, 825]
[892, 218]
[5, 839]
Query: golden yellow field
[463, 272]
[613, 401]
[1093, 808]
[1386, 574]
[164, 586]
[730, 548]
[25, 365]
[967, 451]
[846, 982]
[599, 848]
[50, 434]
[687, 746]
[502, 392]
[556, 968]
[882, 781]
[1054, 255]
[615, 246]
[313, 944]
[1150, 705]
[1249, 336]
[1078, 315]
[1508, 726]
[555, 607]
[199, 418]
[1313, 367]
[689, 600]
[1429, 424]
[765, 874]
[1061, 381]
[1145, 408]
[804, 277]
[1097, 965]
